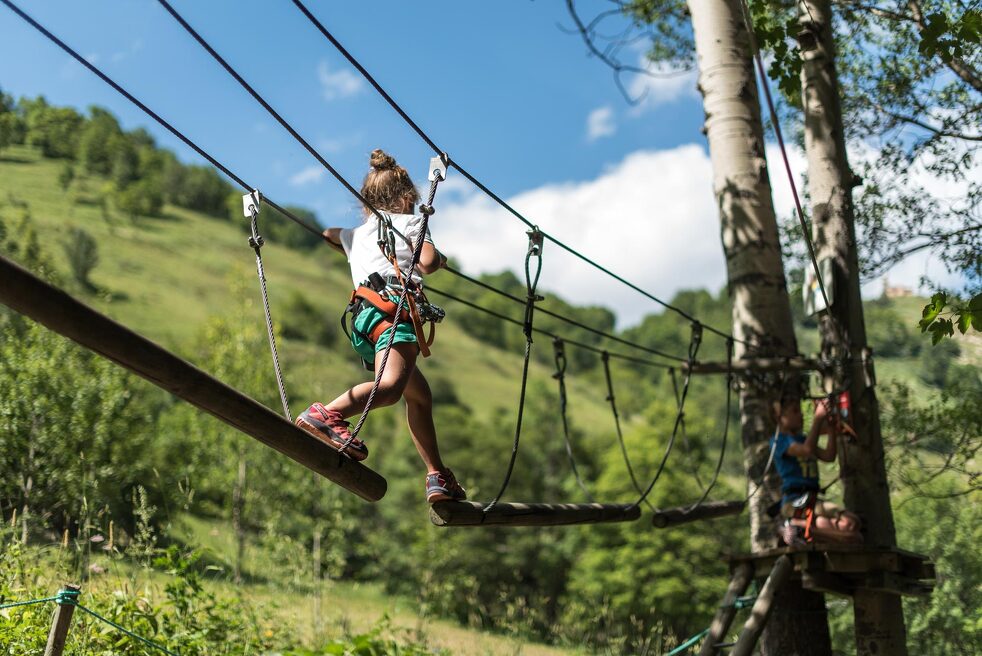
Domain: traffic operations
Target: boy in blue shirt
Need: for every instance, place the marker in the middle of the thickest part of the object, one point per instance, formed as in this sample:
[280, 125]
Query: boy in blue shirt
[796, 460]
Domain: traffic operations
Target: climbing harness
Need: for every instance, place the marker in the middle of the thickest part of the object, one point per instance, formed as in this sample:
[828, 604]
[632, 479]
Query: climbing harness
[559, 353]
[531, 297]
[250, 208]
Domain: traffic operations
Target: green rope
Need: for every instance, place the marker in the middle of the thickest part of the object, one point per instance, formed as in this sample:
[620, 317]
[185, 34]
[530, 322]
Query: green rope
[126, 631]
[744, 602]
[15, 604]
[70, 598]
[688, 643]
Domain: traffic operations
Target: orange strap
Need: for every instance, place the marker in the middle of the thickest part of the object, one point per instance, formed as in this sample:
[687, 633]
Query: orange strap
[424, 344]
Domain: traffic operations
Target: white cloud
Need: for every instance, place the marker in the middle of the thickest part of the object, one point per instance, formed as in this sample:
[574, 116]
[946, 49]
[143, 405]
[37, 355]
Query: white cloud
[307, 176]
[663, 86]
[650, 218]
[337, 84]
[600, 123]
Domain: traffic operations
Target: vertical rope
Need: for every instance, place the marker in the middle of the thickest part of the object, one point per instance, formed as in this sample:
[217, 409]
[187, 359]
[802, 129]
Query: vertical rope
[531, 282]
[559, 353]
[726, 426]
[694, 342]
[685, 435]
[605, 358]
[256, 241]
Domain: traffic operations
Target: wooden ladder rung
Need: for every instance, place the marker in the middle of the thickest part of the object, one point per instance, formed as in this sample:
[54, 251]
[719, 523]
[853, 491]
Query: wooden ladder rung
[471, 513]
[685, 514]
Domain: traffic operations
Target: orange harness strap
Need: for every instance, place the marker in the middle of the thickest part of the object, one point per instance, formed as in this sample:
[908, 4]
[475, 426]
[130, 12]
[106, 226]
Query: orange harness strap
[388, 306]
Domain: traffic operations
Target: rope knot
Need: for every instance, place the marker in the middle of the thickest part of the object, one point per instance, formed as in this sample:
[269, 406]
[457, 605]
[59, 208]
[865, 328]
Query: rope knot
[67, 597]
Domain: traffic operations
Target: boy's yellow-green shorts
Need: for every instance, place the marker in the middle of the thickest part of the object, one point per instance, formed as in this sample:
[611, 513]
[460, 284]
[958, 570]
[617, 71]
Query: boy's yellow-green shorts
[362, 326]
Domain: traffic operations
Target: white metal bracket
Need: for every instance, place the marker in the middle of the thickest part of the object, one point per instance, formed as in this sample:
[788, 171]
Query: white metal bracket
[438, 166]
[251, 202]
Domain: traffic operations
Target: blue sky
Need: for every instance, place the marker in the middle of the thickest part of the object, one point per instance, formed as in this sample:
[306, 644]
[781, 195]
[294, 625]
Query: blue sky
[501, 86]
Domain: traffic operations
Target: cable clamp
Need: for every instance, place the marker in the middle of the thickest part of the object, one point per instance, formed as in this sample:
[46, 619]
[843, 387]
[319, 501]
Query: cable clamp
[438, 167]
[535, 241]
[251, 203]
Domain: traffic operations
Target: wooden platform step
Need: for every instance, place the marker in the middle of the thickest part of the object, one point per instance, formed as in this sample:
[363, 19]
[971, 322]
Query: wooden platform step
[471, 513]
[842, 569]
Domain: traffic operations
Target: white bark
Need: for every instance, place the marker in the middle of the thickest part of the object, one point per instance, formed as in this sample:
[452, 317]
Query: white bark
[757, 285]
[879, 617]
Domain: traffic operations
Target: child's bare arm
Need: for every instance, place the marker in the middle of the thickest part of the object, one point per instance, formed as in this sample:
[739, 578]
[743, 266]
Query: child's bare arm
[831, 450]
[333, 237]
[809, 448]
[430, 259]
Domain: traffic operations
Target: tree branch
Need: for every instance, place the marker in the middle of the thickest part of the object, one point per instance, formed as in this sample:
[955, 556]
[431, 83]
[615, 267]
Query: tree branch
[588, 33]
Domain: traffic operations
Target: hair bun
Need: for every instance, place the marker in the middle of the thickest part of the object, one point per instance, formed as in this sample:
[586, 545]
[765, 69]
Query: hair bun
[381, 160]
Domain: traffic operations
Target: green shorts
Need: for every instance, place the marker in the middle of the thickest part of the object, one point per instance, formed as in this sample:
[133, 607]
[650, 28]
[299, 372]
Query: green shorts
[362, 326]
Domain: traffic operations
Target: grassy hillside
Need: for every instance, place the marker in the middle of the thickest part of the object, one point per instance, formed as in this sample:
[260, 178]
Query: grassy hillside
[164, 277]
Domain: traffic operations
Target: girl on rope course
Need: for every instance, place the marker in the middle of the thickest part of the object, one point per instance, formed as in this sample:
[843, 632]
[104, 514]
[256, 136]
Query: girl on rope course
[378, 279]
[806, 517]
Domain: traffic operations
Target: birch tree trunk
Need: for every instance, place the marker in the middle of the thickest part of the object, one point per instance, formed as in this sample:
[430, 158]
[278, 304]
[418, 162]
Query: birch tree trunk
[879, 617]
[757, 285]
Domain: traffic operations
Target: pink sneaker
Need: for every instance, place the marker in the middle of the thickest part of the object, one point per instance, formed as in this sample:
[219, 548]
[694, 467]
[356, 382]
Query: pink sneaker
[443, 486]
[330, 427]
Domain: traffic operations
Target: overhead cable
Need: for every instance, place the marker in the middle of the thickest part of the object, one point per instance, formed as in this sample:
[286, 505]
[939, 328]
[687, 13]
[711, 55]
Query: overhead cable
[455, 164]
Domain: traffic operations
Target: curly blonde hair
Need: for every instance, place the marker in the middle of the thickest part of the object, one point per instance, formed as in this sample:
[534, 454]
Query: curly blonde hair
[387, 185]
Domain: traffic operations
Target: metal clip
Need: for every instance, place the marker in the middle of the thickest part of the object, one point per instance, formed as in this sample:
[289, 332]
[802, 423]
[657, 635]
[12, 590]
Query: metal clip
[251, 203]
[438, 167]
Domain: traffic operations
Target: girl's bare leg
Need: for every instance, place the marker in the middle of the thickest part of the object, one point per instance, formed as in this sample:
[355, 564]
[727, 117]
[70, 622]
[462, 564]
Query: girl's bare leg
[419, 414]
[398, 369]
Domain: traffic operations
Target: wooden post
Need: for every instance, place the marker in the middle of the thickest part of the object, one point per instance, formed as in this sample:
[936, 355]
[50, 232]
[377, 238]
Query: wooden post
[727, 611]
[24, 292]
[686, 514]
[317, 581]
[60, 625]
[762, 607]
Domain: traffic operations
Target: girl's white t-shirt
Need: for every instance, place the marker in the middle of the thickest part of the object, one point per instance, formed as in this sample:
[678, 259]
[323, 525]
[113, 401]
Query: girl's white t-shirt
[365, 257]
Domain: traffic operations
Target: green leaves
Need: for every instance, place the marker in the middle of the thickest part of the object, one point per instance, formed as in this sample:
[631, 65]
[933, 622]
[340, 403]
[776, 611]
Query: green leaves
[963, 315]
[950, 38]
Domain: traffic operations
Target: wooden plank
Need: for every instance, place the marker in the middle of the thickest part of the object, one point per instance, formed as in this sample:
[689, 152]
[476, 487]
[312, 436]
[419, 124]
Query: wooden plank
[761, 610]
[471, 513]
[685, 514]
[825, 582]
[727, 610]
[26, 293]
[891, 583]
[757, 364]
[859, 562]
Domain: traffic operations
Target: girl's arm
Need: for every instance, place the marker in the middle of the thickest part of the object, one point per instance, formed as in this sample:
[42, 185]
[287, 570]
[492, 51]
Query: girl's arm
[333, 237]
[430, 259]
